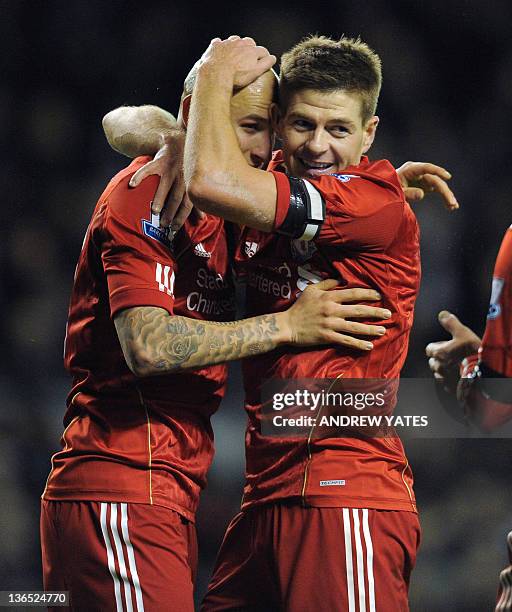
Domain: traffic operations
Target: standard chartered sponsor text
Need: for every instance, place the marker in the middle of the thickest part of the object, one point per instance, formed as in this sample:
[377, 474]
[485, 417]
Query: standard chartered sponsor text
[211, 301]
[269, 286]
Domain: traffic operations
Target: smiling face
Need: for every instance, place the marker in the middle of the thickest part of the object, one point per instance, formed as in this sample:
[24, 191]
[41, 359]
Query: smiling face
[250, 117]
[323, 132]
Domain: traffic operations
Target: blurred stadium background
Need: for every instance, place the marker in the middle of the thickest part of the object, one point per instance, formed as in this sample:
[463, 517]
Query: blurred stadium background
[447, 98]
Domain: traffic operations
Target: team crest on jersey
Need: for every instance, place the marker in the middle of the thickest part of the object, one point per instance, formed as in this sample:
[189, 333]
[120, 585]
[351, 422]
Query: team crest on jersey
[302, 250]
[495, 306]
[160, 234]
[251, 248]
[344, 178]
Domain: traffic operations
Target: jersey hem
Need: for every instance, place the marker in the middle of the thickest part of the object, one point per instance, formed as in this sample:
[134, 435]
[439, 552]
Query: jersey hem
[337, 501]
[109, 496]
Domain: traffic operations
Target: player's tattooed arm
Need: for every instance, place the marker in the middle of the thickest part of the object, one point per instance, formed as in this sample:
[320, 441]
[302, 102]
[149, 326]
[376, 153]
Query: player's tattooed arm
[155, 342]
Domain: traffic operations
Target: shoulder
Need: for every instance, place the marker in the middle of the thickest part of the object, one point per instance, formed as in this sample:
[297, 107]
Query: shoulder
[124, 213]
[367, 187]
[120, 199]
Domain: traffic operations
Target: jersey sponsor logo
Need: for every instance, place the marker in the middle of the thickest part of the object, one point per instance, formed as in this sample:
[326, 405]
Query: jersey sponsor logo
[251, 248]
[208, 280]
[164, 280]
[302, 250]
[263, 284]
[203, 301]
[200, 251]
[197, 301]
[332, 483]
[495, 306]
[345, 178]
[306, 275]
[153, 230]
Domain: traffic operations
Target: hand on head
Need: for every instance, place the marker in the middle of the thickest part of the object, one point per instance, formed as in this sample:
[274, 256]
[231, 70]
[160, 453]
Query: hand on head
[240, 56]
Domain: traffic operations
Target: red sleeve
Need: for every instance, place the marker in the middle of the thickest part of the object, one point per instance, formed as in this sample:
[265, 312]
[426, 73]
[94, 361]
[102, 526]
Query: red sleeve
[497, 340]
[486, 413]
[495, 354]
[283, 197]
[360, 212]
[135, 251]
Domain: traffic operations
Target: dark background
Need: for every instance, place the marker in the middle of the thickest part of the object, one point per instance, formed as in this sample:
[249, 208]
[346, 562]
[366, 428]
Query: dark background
[447, 98]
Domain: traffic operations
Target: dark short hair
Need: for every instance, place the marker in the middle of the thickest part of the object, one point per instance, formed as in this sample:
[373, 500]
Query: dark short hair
[324, 64]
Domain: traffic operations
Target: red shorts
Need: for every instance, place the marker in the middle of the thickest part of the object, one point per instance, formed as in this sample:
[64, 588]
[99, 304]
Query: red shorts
[116, 556]
[289, 558]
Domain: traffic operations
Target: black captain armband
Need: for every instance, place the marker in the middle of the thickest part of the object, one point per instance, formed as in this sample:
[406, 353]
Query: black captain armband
[306, 212]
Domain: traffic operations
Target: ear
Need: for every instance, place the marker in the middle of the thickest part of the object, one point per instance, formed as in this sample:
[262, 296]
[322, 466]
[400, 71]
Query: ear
[185, 108]
[275, 118]
[369, 132]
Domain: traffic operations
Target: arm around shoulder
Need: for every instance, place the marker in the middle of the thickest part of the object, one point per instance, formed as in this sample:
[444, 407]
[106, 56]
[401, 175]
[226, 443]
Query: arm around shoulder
[155, 342]
[138, 130]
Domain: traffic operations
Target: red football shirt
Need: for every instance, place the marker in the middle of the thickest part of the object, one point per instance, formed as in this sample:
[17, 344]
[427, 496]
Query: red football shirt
[369, 239]
[496, 350]
[130, 439]
[497, 341]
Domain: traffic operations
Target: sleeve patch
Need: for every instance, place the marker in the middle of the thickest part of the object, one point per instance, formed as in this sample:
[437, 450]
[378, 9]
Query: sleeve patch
[495, 306]
[153, 230]
[345, 178]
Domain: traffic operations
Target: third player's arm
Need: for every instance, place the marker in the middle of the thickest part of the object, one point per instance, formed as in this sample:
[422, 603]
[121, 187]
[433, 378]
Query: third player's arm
[139, 130]
[151, 130]
[155, 342]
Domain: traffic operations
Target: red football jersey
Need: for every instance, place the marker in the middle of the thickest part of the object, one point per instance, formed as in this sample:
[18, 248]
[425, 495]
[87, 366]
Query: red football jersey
[496, 350]
[497, 341]
[370, 238]
[130, 439]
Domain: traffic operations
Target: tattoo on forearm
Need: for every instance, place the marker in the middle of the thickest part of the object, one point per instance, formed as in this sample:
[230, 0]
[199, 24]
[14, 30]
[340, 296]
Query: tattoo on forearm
[154, 342]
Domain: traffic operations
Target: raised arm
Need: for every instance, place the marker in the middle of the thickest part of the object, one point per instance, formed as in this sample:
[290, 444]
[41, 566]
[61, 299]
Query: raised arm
[218, 179]
[419, 178]
[155, 342]
[445, 356]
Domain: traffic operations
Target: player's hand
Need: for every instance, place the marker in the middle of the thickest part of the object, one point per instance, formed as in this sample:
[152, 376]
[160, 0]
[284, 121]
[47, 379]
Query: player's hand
[170, 201]
[322, 315]
[242, 56]
[445, 356]
[419, 178]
